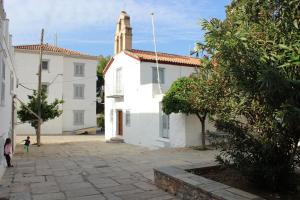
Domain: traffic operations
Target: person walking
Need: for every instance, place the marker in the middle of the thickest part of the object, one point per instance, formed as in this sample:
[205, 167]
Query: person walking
[8, 152]
[27, 143]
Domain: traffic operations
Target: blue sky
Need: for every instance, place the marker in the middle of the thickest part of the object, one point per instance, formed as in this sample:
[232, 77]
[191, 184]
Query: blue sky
[89, 25]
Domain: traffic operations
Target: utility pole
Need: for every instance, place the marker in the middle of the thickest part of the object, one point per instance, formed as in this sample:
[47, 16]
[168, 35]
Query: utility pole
[38, 132]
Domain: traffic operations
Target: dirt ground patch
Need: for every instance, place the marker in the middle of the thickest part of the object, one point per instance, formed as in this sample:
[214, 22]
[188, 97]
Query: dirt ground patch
[235, 179]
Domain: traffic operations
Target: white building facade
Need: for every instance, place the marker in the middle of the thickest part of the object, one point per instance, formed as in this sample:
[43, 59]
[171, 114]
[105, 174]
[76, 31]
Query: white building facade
[67, 75]
[8, 80]
[133, 109]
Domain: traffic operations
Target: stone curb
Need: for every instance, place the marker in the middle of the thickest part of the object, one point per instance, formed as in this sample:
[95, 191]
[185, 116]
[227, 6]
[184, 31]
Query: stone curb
[188, 186]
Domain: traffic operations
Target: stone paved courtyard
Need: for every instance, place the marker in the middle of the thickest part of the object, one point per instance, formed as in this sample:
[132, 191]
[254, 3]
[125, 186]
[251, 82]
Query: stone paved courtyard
[87, 168]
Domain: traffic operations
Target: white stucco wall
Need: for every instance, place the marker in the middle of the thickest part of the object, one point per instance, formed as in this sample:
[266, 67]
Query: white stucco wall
[177, 131]
[142, 99]
[130, 74]
[6, 56]
[60, 78]
[88, 103]
[27, 68]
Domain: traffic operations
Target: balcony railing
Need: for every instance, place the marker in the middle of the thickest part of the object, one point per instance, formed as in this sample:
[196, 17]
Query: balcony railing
[115, 92]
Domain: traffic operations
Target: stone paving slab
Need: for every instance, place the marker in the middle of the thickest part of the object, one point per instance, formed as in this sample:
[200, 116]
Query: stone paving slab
[92, 197]
[20, 196]
[87, 168]
[49, 196]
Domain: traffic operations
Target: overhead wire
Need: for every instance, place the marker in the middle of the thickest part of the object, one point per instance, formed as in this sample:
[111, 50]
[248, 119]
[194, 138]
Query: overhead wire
[25, 87]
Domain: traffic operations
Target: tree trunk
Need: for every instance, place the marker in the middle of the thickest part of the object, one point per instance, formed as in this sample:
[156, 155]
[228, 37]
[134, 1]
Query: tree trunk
[38, 134]
[203, 135]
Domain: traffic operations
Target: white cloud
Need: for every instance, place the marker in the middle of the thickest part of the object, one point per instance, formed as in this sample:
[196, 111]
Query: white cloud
[70, 16]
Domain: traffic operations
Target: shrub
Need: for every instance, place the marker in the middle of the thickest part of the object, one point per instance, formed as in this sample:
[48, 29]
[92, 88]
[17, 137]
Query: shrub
[269, 162]
[257, 49]
[100, 120]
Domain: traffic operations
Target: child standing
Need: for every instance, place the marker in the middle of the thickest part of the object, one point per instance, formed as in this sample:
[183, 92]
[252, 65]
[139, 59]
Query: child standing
[27, 143]
[8, 152]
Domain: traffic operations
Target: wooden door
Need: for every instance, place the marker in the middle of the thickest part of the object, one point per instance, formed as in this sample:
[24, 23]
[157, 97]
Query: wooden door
[120, 123]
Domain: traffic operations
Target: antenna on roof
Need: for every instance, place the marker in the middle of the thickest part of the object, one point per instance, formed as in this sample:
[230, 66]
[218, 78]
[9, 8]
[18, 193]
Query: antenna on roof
[156, 57]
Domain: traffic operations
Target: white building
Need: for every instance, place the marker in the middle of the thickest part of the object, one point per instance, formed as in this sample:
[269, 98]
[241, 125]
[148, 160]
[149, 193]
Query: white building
[67, 75]
[133, 99]
[7, 85]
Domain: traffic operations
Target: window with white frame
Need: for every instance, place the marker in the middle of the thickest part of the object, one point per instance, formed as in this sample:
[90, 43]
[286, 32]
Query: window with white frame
[78, 117]
[127, 118]
[119, 87]
[45, 65]
[79, 69]
[2, 83]
[78, 91]
[161, 74]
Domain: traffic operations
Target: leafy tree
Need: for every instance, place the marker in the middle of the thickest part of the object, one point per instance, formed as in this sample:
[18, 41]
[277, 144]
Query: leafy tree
[257, 48]
[100, 82]
[48, 110]
[198, 94]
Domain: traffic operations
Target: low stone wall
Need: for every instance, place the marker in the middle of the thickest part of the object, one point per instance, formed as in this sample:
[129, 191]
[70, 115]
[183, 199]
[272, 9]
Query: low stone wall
[188, 186]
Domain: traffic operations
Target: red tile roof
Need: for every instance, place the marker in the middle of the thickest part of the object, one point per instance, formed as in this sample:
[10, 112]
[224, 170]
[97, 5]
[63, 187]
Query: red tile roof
[172, 59]
[164, 58]
[50, 49]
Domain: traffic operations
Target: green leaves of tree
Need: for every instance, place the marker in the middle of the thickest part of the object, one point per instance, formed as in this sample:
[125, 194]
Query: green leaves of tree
[49, 110]
[257, 48]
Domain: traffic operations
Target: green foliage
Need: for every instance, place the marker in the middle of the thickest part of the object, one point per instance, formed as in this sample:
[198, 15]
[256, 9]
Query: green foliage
[265, 161]
[100, 81]
[182, 97]
[257, 48]
[48, 111]
[100, 67]
[100, 120]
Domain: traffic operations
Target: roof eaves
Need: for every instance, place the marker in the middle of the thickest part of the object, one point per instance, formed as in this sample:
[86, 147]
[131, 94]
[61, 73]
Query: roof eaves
[170, 63]
[58, 54]
[108, 65]
[132, 55]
